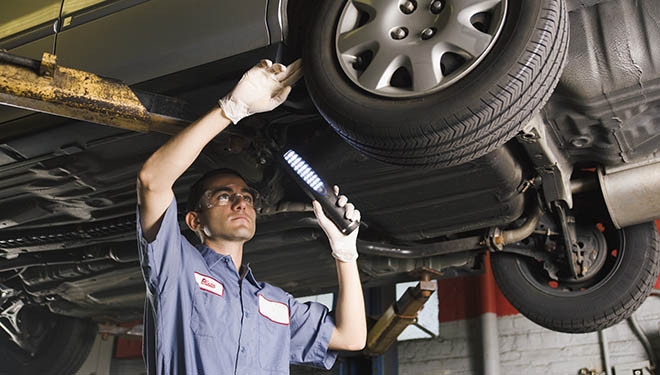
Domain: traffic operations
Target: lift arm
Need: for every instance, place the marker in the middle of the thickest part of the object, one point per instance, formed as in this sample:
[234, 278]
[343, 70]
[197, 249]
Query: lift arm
[43, 86]
[397, 317]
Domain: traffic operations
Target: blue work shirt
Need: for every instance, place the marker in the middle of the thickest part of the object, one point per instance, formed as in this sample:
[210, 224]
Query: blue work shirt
[202, 317]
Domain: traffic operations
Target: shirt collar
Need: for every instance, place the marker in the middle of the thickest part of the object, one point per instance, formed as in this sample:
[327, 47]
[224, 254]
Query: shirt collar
[211, 258]
[250, 277]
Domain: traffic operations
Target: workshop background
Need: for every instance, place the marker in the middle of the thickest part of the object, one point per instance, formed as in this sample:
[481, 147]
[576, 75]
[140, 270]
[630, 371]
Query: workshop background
[456, 325]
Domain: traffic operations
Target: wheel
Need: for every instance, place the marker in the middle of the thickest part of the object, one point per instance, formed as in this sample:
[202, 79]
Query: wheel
[623, 267]
[433, 83]
[62, 344]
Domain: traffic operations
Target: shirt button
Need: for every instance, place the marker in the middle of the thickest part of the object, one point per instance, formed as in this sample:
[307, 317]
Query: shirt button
[247, 314]
[242, 349]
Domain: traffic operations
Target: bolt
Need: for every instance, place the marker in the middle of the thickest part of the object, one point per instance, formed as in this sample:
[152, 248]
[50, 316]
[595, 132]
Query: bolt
[436, 6]
[262, 160]
[498, 240]
[428, 33]
[399, 33]
[358, 64]
[581, 141]
[408, 7]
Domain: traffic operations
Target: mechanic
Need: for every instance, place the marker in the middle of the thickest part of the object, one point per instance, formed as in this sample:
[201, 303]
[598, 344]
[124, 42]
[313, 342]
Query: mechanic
[204, 312]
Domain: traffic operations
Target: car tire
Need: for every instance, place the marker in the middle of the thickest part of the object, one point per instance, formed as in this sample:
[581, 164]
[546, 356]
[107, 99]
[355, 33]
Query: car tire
[66, 344]
[619, 290]
[446, 126]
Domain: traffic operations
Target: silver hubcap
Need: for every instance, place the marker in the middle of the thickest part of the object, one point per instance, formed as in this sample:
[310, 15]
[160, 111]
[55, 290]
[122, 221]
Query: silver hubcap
[407, 48]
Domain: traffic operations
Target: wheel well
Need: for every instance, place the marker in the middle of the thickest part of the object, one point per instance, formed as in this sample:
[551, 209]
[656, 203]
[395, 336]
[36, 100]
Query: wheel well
[298, 14]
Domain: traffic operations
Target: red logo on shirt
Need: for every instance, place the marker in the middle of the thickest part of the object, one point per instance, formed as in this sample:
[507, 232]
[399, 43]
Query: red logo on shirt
[209, 284]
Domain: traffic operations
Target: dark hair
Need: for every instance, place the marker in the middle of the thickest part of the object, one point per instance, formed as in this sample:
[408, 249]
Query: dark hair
[198, 188]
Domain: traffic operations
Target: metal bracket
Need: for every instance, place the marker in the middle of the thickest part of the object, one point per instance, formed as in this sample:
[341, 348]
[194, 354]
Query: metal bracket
[550, 163]
[524, 251]
[573, 254]
[10, 323]
[48, 65]
[5, 294]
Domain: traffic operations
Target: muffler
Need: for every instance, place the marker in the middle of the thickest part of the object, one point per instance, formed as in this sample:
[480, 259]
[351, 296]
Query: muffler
[632, 195]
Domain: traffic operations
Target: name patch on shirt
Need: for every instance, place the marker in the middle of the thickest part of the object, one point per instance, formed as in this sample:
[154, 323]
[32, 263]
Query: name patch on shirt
[209, 284]
[277, 312]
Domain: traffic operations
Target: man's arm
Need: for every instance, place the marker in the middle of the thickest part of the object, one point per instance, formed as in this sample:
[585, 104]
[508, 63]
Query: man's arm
[261, 89]
[168, 163]
[350, 332]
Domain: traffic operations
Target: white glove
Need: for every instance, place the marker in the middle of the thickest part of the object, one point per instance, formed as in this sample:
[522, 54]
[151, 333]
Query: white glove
[344, 247]
[261, 89]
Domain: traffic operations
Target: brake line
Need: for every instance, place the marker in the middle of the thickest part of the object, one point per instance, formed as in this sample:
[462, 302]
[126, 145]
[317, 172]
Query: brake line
[57, 27]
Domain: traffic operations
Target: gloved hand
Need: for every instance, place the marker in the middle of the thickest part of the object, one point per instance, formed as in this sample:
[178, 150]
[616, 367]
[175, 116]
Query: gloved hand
[344, 247]
[261, 89]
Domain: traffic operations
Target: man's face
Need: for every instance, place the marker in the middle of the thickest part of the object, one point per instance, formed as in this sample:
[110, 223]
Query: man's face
[226, 212]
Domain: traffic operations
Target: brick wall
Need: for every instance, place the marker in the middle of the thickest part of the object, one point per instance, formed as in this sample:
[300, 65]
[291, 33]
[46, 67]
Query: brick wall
[526, 348]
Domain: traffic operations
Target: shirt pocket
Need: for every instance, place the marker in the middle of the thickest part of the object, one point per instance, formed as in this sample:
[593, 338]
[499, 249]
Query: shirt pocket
[274, 335]
[208, 313]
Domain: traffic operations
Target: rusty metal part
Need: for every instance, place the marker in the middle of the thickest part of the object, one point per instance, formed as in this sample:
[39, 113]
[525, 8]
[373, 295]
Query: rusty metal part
[81, 95]
[397, 317]
[48, 65]
[498, 238]
[524, 231]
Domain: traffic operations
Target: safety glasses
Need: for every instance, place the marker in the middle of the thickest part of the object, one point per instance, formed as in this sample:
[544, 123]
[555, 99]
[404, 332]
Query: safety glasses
[223, 196]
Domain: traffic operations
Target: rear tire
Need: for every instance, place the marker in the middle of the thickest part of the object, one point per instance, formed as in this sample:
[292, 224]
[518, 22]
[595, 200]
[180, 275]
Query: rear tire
[622, 285]
[64, 349]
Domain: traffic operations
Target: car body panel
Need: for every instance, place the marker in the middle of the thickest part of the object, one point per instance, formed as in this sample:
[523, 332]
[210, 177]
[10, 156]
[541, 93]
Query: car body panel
[605, 108]
[156, 38]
